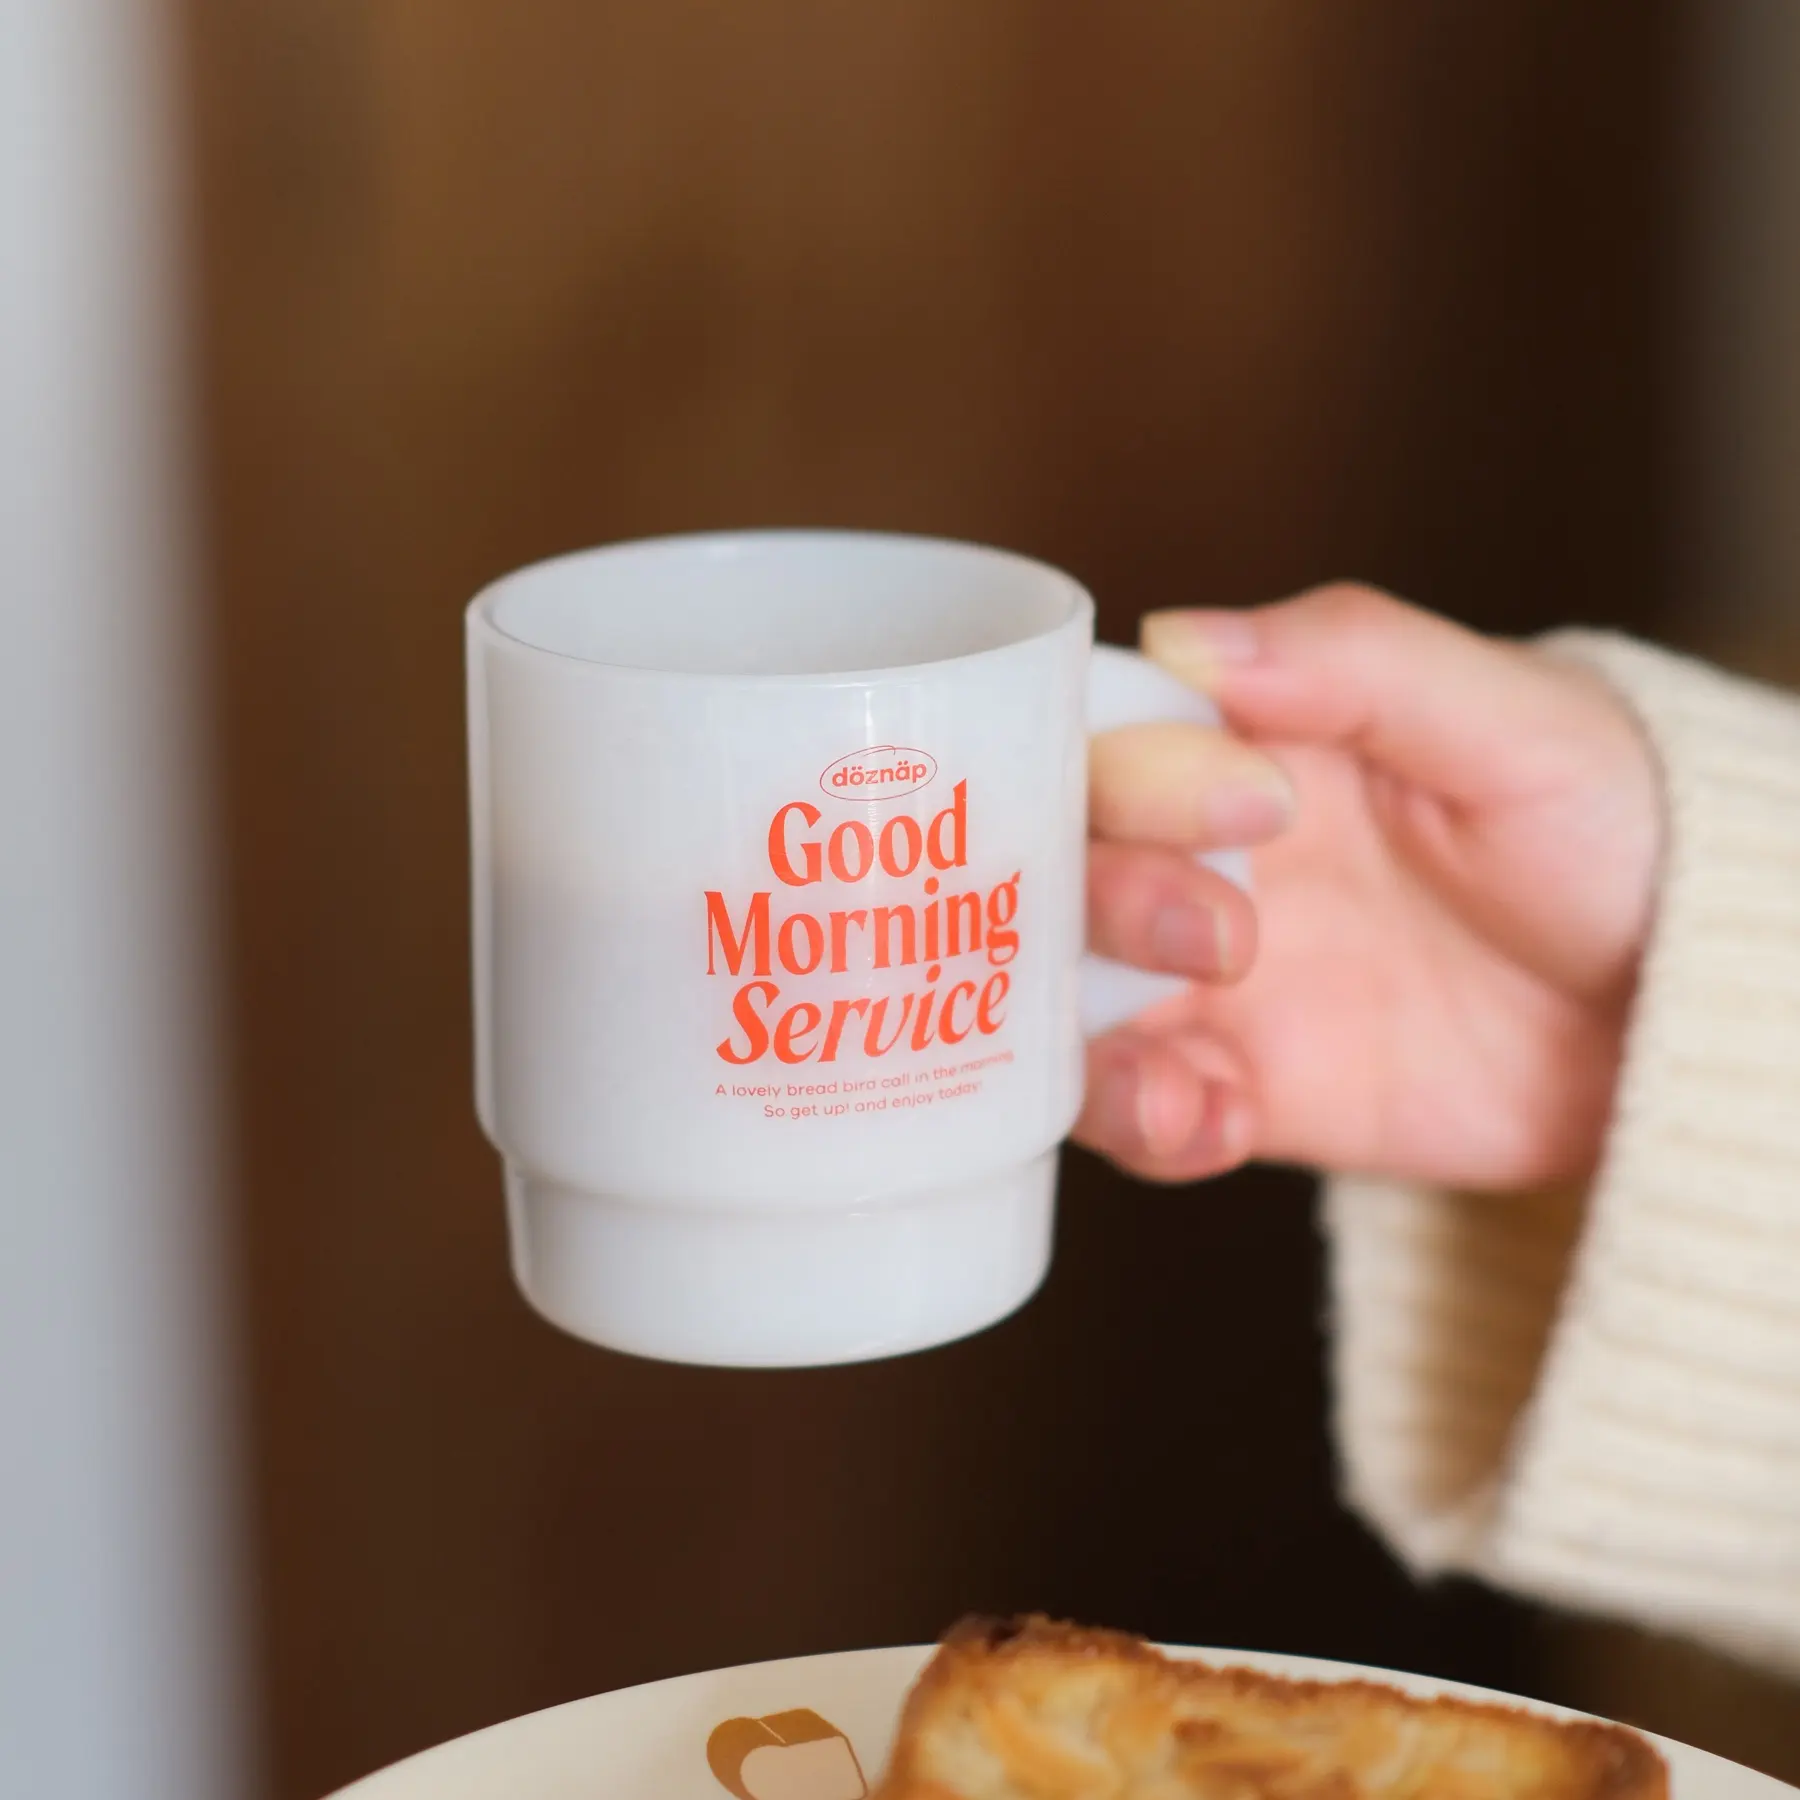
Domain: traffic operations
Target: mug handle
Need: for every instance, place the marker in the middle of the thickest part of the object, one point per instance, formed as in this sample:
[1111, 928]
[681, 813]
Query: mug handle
[1125, 688]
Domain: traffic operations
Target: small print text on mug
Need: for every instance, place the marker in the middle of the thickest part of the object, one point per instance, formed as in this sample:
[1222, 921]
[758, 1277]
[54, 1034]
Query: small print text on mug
[906, 1090]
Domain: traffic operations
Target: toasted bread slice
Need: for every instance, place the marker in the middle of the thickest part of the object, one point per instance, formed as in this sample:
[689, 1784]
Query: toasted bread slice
[1038, 1711]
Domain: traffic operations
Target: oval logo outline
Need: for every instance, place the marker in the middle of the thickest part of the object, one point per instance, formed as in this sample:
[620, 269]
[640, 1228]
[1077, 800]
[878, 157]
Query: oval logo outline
[880, 772]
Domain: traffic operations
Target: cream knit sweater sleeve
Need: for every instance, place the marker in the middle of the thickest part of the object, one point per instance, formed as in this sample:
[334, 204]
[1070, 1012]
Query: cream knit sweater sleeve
[1594, 1398]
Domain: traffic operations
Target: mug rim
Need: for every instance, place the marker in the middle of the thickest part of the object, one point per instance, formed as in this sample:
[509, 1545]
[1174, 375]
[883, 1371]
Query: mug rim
[481, 613]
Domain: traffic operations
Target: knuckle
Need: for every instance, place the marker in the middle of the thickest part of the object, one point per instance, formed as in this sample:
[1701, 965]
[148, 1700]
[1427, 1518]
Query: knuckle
[1350, 607]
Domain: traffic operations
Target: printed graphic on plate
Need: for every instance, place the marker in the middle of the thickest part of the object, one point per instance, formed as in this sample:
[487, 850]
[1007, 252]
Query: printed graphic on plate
[785, 1756]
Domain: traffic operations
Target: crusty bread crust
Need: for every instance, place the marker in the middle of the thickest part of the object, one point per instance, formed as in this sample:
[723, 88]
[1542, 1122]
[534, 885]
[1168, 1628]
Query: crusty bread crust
[1029, 1709]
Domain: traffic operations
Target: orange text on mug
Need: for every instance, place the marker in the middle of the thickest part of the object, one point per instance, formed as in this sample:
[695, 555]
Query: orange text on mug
[881, 772]
[960, 937]
[785, 1756]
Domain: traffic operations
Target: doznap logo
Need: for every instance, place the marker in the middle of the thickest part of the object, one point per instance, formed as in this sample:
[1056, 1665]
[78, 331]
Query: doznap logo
[881, 772]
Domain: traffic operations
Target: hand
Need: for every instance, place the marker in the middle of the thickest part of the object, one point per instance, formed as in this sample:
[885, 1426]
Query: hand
[1458, 844]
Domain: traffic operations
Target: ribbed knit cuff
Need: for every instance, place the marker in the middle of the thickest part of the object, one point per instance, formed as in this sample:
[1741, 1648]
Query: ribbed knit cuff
[1596, 1400]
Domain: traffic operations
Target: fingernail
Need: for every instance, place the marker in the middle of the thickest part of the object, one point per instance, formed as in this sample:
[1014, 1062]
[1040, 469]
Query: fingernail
[1234, 1127]
[1256, 803]
[1122, 1117]
[1169, 1111]
[1251, 811]
[1191, 940]
[1198, 644]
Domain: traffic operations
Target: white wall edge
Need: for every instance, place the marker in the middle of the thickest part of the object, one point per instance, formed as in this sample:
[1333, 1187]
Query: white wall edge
[120, 1656]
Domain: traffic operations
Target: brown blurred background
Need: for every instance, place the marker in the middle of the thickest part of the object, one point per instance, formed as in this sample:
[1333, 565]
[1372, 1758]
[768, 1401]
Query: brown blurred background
[1204, 302]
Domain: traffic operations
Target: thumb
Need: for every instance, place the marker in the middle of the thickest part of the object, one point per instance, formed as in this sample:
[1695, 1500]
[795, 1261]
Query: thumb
[1462, 715]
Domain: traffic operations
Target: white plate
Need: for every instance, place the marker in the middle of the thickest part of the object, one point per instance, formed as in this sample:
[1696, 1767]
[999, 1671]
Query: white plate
[653, 1742]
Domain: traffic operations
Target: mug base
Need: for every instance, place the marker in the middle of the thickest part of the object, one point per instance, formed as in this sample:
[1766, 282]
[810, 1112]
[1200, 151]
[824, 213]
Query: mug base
[782, 1290]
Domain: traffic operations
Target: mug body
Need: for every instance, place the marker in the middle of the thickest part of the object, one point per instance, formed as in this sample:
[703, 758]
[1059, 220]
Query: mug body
[778, 847]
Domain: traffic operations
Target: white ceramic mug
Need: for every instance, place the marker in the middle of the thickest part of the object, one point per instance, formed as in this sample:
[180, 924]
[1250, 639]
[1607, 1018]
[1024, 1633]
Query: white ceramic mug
[778, 916]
